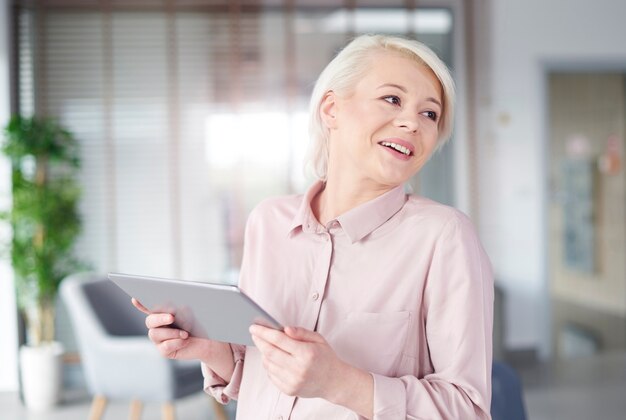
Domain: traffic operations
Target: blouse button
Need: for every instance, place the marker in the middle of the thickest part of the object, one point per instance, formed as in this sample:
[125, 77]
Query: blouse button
[315, 296]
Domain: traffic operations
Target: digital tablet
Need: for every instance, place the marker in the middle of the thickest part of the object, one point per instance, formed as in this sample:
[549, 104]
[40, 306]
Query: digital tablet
[206, 310]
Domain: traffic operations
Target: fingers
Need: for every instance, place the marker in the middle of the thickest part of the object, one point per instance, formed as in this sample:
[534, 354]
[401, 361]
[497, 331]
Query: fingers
[285, 385]
[268, 350]
[159, 320]
[159, 335]
[153, 320]
[170, 348]
[298, 361]
[169, 341]
[275, 337]
[283, 369]
[275, 361]
[302, 334]
[139, 306]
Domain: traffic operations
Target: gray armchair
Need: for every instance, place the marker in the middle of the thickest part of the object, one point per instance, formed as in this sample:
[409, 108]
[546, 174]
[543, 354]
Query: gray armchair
[118, 359]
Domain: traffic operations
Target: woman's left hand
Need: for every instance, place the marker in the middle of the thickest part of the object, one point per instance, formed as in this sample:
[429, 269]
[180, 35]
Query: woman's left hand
[298, 361]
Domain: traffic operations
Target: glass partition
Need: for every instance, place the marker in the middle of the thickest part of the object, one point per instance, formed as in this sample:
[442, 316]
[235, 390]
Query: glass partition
[189, 115]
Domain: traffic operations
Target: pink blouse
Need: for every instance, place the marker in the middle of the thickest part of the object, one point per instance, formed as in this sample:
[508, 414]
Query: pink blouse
[399, 286]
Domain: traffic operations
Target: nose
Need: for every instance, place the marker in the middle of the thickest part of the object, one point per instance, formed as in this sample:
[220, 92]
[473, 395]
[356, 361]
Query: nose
[408, 121]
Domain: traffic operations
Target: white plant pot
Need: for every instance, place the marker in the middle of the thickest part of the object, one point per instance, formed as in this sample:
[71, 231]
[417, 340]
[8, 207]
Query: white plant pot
[41, 373]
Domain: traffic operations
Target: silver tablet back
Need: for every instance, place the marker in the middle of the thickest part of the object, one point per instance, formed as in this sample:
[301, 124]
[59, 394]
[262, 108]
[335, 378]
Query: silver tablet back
[206, 310]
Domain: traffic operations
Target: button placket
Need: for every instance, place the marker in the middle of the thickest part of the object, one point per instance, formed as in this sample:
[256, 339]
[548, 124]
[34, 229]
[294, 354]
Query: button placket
[310, 316]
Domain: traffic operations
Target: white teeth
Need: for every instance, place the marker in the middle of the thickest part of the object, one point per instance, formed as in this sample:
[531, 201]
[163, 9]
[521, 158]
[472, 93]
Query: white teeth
[398, 147]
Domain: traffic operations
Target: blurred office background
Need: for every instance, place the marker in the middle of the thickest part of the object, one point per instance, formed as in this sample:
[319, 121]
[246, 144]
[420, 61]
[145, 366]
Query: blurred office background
[190, 112]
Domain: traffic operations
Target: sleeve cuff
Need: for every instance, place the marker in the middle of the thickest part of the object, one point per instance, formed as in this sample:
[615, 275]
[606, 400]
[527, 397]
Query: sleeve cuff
[217, 387]
[389, 398]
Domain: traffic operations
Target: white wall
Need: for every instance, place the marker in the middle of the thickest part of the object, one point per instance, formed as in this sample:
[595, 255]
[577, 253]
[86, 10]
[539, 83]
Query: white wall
[8, 337]
[525, 36]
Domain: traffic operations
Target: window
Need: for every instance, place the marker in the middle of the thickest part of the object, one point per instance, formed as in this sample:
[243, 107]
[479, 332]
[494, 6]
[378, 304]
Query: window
[190, 113]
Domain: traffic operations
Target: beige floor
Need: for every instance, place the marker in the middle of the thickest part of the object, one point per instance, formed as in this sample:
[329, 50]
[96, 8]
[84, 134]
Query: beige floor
[588, 388]
[76, 404]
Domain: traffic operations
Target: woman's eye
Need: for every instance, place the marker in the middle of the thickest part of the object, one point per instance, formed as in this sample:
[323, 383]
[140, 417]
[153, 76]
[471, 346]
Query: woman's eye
[431, 114]
[392, 99]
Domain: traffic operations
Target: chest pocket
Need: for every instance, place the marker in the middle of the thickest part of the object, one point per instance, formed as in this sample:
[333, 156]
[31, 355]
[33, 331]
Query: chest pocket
[372, 341]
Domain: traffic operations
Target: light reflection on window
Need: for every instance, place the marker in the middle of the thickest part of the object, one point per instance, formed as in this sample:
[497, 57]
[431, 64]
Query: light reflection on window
[261, 141]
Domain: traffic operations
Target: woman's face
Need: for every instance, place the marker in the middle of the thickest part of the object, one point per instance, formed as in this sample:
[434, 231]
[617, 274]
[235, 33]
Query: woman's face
[384, 131]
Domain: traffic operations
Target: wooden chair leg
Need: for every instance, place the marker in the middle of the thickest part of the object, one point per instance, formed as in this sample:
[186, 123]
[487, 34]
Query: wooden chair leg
[135, 410]
[219, 410]
[167, 411]
[98, 404]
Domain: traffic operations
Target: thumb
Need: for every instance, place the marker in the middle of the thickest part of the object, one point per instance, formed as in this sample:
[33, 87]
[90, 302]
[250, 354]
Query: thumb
[302, 334]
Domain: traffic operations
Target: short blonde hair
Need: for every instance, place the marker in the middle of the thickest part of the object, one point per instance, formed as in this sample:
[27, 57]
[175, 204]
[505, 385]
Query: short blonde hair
[349, 66]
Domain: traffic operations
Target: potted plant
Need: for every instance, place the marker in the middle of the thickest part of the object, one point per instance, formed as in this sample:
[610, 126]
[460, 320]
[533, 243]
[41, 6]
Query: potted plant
[45, 223]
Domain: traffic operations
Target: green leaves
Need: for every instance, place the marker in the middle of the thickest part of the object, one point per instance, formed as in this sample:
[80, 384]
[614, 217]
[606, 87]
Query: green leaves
[36, 136]
[44, 216]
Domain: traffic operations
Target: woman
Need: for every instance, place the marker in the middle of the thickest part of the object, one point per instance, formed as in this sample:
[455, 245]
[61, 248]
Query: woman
[388, 296]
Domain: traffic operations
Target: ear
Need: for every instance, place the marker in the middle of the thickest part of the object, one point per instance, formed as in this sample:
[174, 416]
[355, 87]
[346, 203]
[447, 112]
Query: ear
[328, 109]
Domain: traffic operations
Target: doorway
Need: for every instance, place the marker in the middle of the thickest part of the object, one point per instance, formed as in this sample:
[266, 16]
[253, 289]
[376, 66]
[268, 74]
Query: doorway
[586, 212]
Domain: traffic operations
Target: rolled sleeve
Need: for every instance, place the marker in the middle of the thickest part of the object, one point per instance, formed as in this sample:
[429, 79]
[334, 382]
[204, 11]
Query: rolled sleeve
[408, 397]
[216, 386]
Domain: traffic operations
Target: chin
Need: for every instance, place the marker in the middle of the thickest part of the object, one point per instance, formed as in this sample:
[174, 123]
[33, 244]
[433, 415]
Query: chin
[390, 175]
[394, 181]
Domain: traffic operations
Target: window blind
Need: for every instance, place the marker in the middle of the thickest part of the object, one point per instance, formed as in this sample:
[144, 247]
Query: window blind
[188, 114]
[108, 77]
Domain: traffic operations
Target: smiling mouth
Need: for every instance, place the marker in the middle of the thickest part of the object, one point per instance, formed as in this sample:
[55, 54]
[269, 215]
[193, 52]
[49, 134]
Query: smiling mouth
[397, 147]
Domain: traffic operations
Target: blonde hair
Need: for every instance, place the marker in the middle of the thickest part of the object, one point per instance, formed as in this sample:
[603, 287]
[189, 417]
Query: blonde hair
[349, 66]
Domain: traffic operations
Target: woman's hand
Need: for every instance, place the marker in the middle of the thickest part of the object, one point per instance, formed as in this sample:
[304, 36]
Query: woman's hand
[173, 343]
[301, 363]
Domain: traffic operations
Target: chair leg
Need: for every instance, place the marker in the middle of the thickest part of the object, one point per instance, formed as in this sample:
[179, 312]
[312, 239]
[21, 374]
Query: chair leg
[98, 404]
[219, 410]
[167, 411]
[135, 410]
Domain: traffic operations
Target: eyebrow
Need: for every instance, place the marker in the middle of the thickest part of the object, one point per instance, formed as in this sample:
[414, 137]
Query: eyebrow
[403, 89]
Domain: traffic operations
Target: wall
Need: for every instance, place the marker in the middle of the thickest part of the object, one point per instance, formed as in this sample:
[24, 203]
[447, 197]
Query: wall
[8, 337]
[527, 36]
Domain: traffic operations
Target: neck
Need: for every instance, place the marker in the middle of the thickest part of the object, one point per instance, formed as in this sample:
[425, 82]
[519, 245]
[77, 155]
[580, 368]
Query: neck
[339, 197]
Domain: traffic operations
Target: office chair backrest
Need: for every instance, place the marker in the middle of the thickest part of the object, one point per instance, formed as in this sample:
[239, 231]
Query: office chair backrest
[113, 309]
[118, 359]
